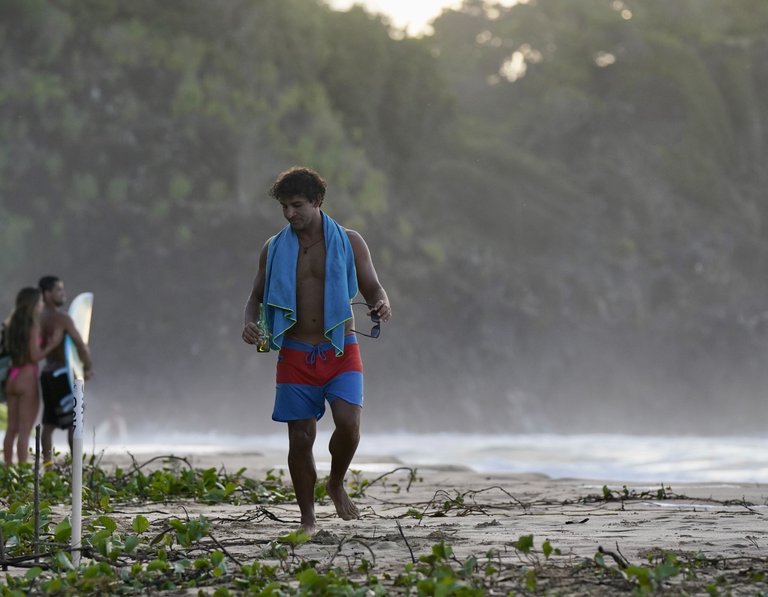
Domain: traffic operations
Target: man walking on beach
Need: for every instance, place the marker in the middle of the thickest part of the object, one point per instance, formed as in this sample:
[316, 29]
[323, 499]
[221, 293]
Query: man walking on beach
[58, 401]
[307, 276]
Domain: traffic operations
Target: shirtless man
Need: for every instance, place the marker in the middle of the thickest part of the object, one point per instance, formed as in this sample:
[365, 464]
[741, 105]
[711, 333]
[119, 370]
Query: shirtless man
[309, 370]
[58, 401]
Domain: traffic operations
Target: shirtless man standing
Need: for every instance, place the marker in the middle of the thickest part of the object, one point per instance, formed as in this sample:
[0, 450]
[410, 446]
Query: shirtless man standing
[312, 367]
[58, 401]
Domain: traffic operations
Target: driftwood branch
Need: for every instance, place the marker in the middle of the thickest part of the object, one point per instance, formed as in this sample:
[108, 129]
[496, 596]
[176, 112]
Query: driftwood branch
[620, 560]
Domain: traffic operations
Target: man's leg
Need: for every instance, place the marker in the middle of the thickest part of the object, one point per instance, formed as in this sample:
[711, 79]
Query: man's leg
[47, 441]
[28, 407]
[301, 464]
[344, 441]
[47, 385]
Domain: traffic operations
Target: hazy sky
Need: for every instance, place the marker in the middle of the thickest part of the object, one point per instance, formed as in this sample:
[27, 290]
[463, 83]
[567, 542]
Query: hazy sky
[411, 14]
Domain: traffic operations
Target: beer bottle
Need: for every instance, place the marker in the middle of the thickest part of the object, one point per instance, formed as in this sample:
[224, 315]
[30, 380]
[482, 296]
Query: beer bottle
[263, 345]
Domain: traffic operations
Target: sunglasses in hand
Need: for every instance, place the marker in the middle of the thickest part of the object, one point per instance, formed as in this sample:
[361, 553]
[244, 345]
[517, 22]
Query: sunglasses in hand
[376, 329]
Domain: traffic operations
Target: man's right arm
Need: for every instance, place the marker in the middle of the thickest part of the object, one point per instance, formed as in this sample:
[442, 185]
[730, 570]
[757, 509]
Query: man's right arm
[251, 333]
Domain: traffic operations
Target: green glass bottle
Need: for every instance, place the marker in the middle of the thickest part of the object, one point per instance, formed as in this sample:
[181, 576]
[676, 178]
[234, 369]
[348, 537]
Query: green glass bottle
[263, 345]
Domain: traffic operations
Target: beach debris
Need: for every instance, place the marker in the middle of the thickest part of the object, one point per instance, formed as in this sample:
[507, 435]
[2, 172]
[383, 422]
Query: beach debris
[582, 521]
[325, 537]
[490, 523]
[617, 556]
[408, 545]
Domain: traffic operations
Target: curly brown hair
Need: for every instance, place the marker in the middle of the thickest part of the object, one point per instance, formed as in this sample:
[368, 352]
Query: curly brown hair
[299, 181]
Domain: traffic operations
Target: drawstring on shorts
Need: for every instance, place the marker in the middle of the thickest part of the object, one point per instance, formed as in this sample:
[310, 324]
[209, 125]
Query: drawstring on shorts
[317, 351]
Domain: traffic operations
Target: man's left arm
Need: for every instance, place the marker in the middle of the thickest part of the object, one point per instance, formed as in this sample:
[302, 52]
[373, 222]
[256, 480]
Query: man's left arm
[367, 279]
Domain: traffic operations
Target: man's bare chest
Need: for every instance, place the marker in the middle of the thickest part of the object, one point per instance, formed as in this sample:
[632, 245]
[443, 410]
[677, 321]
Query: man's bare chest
[310, 266]
[48, 324]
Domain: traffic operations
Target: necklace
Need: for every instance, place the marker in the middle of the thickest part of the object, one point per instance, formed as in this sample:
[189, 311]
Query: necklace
[308, 247]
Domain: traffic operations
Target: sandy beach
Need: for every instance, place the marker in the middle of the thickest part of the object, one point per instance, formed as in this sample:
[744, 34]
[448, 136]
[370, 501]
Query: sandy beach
[718, 531]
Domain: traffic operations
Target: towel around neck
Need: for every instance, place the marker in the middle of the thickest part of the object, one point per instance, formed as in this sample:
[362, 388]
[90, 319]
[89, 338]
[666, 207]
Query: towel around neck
[280, 283]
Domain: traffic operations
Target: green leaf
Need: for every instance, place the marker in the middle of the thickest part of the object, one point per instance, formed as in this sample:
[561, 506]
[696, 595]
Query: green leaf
[209, 477]
[214, 496]
[100, 537]
[546, 547]
[666, 570]
[33, 573]
[63, 531]
[524, 543]
[140, 524]
[641, 573]
[426, 586]
[308, 578]
[62, 559]
[131, 542]
[54, 587]
[217, 557]
[107, 523]
[295, 538]
[469, 566]
[442, 551]
[157, 564]
[177, 524]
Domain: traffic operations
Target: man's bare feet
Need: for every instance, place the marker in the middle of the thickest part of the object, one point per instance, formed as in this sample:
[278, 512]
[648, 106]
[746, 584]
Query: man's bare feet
[344, 506]
[309, 527]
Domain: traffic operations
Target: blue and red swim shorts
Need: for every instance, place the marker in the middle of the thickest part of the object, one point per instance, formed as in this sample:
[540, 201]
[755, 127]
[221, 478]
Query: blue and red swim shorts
[310, 374]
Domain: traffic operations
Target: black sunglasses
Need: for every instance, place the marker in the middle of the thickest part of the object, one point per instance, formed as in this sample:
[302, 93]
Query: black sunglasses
[376, 329]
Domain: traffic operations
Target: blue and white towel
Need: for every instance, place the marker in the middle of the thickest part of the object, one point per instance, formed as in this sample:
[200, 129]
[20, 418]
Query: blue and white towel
[280, 283]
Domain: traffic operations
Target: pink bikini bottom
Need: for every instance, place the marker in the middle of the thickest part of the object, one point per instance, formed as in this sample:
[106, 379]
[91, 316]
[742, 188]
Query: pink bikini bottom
[13, 373]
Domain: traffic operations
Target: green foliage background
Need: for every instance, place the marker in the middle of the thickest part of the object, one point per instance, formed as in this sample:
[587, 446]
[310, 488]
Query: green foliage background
[580, 248]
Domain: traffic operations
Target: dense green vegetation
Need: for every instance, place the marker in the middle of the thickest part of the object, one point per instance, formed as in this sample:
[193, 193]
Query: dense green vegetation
[565, 200]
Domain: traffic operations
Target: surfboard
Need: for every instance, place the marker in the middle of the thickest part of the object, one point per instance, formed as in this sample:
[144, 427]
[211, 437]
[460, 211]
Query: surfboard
[80, 311]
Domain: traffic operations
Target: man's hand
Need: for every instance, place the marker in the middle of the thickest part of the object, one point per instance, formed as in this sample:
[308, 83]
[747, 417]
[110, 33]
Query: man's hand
[251, 334]
[88, 374]
[382, 309]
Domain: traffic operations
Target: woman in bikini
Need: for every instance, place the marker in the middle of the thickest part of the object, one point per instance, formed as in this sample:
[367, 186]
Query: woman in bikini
[22, 339]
